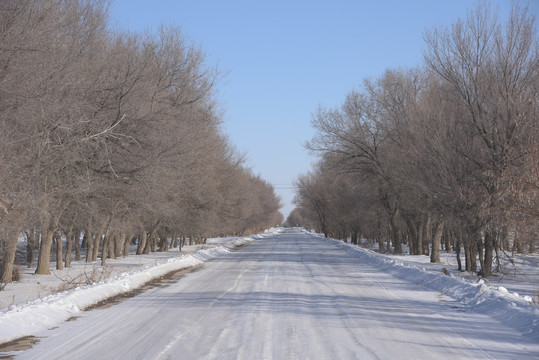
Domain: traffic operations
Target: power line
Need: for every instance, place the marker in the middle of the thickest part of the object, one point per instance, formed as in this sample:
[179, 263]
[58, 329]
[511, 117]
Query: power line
[284, 186]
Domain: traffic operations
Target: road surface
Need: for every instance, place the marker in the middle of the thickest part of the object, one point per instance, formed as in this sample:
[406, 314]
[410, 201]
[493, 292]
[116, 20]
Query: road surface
[290, 296]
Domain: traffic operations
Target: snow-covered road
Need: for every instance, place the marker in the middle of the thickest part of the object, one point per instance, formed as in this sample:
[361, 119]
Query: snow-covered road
[289, 296]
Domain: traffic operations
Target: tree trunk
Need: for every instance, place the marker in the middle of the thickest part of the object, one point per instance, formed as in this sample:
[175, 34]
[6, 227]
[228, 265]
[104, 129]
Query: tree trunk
[141, 244]
[97, 240]
[504, 243]
[473, 256]
[8, 259]
[457, 252]
[395, 232]
[427, 240]
[531, 246]
[31, 242]
[119, 240]
[84, 243]
[43, 261]
[150, 244]
[59, 251]
[353, 237]
[380, 236]
[76, 241]
[181, 242]
[166, 245]
[49, 228]
[412, 241]
[127, 243]
[89, 245]
[447, 238]
[420, 230]
[164, 242]
[111, 244]
[436, 243]
[101, 239]
[480, 247]
[105, 250]
[69, 247]
[467, 254]
[517, 245]
[119, 244]
[489, 248]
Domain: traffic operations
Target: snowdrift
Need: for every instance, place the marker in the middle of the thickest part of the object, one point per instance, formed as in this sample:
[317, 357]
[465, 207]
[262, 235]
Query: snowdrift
[18, 321]
[517, 311]
[22, 320]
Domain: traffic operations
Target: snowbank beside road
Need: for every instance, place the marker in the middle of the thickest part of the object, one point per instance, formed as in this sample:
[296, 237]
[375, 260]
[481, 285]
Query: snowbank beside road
[20, 320]
[17, 321]
[517, 311]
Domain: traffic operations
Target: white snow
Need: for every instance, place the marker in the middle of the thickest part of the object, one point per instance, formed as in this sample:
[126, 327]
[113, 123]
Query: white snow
[519, 312]
[23, 319]
[284, 284]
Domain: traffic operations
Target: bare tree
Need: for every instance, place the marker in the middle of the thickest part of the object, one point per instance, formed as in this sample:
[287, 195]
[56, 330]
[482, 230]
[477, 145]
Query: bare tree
[115, 134]
[451, 149]
[491, 68]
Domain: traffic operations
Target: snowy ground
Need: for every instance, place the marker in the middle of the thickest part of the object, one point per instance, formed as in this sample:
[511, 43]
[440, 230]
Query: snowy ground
[519, 274]
[25, 305]
[32, 287]
[295, 289]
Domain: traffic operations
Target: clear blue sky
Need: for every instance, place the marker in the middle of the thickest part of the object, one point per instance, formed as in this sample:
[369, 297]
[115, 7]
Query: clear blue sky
[283, 59]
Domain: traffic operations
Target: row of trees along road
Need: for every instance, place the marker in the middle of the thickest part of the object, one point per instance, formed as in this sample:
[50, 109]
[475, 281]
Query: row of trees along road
[112, 135]
[442, 155]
